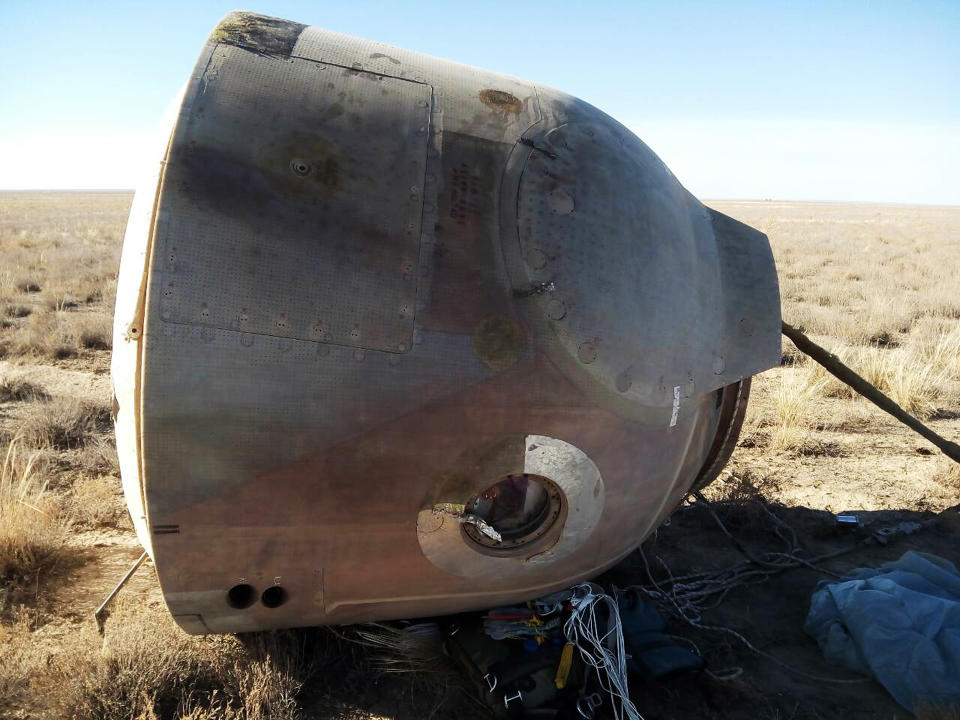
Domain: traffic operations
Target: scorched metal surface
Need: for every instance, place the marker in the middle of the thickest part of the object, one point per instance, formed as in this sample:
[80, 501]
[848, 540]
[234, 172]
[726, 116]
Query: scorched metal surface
[399, 337]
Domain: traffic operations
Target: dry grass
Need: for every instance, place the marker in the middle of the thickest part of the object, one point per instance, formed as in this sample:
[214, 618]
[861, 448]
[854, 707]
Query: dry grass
[94, 332]
[19, 657]
[58, 258]
[20, 389]
[947, 475]
[861, 274]
[97, 502]
[98, 456]
[66, 424]
[72, 446]
[790, 424]
[146, 667]
[876, 286]
[938, 347]
[31, 533]
[61, 335]
[909, 377]
[59, 254]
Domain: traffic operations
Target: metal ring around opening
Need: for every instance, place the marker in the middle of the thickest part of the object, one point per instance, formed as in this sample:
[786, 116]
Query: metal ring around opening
[446, 544]
[532, 518]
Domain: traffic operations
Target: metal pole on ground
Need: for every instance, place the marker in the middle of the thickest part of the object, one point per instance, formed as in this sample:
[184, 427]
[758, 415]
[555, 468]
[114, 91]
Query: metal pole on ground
[847, 376]
[101, 611]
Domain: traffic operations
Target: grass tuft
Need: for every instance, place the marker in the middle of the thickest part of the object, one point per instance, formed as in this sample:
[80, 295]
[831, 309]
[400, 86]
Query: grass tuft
[94, 341]
[16, 389]
[98, 502]
[58, 302]
[18, 311]
[148, 668]
[31, 536]
[66, 424]
[792, 420]
[906, 376]
[28, 285]
[947, 475]
[63, 352]
[941, 351]
[95, 332]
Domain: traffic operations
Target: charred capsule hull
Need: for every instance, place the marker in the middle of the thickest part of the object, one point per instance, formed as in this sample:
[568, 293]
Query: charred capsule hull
[399, 337]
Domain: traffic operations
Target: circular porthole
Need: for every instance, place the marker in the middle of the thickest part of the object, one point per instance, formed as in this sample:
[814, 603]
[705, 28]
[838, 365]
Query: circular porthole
[523, 510]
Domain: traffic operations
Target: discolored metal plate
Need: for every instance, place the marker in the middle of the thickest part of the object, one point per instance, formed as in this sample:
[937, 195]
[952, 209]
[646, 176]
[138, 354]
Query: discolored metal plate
[473, 101]
[294, 199]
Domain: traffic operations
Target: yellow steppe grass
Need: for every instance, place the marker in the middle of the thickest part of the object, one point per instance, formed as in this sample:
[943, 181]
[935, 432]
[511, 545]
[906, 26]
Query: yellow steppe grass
[790, 424]
[31, 532]
[912, 379]
[58, 276]
[874, 284]
[920, 380]
[145, 667]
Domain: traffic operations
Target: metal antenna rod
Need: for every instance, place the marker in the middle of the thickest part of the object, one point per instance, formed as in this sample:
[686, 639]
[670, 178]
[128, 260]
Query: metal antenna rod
[847, 376]
[99, 614]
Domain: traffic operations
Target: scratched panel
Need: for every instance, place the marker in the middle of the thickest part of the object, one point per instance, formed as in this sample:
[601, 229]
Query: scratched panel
[293, 203]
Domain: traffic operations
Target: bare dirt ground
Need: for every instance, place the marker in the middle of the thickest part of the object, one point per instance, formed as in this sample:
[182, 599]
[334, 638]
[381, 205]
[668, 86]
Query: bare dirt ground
[874, 283]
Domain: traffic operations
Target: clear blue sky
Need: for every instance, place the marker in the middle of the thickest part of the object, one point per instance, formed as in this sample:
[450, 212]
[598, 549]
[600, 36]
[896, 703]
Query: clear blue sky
[788, 100]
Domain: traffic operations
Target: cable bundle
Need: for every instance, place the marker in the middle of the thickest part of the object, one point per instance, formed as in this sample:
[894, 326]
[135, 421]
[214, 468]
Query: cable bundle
[602, 649]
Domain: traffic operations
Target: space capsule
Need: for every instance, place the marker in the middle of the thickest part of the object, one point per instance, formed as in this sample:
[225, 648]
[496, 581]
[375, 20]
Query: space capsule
[399, 337]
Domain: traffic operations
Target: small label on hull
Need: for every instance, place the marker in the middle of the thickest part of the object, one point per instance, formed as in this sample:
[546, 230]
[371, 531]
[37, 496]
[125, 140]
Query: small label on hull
[676, 406]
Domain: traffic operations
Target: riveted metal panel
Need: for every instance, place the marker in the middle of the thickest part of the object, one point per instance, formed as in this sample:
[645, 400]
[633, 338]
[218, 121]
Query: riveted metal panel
[295, 194]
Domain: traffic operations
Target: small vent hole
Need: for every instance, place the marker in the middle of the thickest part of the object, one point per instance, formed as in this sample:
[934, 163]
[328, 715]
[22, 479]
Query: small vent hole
[241, 596]
[274, 596]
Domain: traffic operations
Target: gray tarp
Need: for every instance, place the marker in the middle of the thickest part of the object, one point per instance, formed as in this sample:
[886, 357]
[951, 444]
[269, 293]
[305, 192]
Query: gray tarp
[899, 623]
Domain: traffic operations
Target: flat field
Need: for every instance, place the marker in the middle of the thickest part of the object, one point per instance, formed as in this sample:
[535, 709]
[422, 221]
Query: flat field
[877, 284]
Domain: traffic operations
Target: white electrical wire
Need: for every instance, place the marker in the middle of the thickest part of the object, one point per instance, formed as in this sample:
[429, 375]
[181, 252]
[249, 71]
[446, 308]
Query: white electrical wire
[601, 649]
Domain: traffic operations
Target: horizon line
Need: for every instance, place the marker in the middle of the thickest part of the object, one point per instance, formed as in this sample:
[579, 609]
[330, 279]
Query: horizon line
[701, 199]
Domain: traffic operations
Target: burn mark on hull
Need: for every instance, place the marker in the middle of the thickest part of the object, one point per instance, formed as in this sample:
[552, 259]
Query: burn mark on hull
[499, 342]
[259, 33]
[378, 56]
[501, 100]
